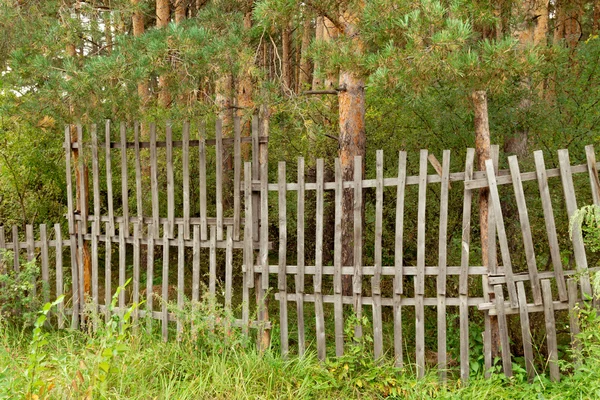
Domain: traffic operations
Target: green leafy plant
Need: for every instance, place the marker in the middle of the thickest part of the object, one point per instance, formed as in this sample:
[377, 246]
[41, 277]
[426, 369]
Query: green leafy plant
[36, 385]
[17, 303]
[586, 222]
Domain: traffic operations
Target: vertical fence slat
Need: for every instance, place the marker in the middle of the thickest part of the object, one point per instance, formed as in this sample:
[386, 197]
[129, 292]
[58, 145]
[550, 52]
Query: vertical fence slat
[83, 201]
[376, 279]
[69, 182]
[136, 271]
[318, 277]
[504, 249]
[170, 181]
[165, 284]
[96, 180]
[180, 277]
[573, 316]
[154, 181]
[219, 179]
[525, 229]
[337, 263]
[300, 258]
[16, 250]
[202, 178]
[109, 183]
[503, 331]
[80, 267]
[542, 178]
[398, 260]
[31, 255]
[149, 278]
[107, 272]
[442, 260]
[550, 331]
[463, 285]
[237, 167]
[196, 267]
[248, 272]
[263, 282]
[212, 268]
[122, 266]
[571, 203]
[95, 265]
[45, 267]
[186, 179]
[358, 240]
[228, 266]
[59, 273]
[420, 278]
[593, 173]
[526, 332]
[139, 194]
[281, 277]
[124, 180]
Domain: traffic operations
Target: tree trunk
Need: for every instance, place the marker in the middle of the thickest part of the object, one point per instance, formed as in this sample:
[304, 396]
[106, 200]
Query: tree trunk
[180, 10]
[330, 33]
[137, 20]
[305, 67]
[163, 15]
[319, 30]
[482, 148]
[245, 102]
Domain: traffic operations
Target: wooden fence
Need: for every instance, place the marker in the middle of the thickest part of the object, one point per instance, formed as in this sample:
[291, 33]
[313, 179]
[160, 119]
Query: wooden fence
[248, 253]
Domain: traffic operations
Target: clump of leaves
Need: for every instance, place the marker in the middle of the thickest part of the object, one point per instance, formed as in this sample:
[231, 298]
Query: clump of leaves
[586, 222]
[18, 305]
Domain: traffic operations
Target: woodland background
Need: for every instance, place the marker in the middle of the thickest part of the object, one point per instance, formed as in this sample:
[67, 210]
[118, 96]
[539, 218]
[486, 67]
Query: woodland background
[335, 78]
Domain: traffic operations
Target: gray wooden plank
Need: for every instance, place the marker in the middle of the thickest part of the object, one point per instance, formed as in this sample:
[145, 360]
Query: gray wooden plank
[185, 160]
[228, 266]
[154, 181]
[16, 251]
[526, 332]
[420, 278]
[237, 170]
[122, 264]
[212, 269]
[202, 178]
[96, 180]
[492, 245]
[196, 264]
[69, 182]
[136, 272]
[44, 261]
[542, 178]
[593, 173]
[109, 179]
[170, 181]
[571, 203]
[124, 182]
[376, 279]
[83, 200]
[525, 229]
[180, 277]
[337, 263]
[31, 256]
[318, 277]
[264, 224]
[219, 178]
[150, 276]
[139, 194]
[504, 250]
[358, 242]
[550, 331]
[503, 331]
[464, 269]
[574, 318]
[398, 260]
[165, 284]
[248, 225]
[59, 273]
[282, 276]
[107, 273]
[442, 263]
[76, 302]
[95, 260]
[300, 258]
[80, 266]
